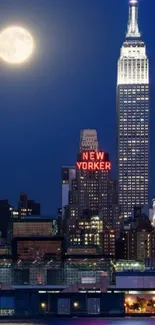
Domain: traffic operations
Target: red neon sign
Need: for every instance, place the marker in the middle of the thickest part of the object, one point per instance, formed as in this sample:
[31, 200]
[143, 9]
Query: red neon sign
[93, 160]
[93, 155]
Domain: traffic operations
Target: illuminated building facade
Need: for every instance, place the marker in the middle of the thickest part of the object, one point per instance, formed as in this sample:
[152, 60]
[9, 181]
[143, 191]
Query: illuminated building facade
[91, 188]
[136, 245]
[87, 232]
[89, 193]
[81, 250]
[87, 272]
[92, 199]
[133, 118]
[137, 241]
[128, 265]
[152, 213]
[109, 243]
[34, 227]
[37, 249]
[88, 140]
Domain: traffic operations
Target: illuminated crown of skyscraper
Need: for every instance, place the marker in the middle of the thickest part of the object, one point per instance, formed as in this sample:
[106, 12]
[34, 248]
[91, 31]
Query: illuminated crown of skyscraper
[133, 29]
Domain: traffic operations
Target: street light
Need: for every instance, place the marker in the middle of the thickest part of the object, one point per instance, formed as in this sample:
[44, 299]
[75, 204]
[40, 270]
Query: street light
[76, 304]
[43, 305]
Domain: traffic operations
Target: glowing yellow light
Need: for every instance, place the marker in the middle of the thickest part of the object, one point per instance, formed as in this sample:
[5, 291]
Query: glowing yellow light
[16, 45]
[43, 305]
[76, 304]
[129, 301]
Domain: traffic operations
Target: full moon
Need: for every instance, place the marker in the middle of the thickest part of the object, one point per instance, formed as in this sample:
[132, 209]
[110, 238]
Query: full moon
[16, 45]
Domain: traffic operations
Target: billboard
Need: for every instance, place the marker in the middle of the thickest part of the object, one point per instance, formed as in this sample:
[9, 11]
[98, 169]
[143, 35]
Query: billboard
[93, 160]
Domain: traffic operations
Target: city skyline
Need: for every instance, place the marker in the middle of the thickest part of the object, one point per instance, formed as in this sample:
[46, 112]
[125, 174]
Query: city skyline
[75, 139]
[74, 63]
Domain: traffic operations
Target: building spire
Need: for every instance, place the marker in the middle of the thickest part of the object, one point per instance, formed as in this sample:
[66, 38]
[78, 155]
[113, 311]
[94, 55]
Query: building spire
[133, 29]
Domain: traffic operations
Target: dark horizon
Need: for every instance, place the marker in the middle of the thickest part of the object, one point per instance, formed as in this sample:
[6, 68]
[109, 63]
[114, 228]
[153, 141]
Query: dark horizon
[69, 85]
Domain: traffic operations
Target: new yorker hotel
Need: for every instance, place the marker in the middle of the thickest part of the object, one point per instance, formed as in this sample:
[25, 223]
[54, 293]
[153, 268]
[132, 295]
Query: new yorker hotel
[92, 191]
[133, 118]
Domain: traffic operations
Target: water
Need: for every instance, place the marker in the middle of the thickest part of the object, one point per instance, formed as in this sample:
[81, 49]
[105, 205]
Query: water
[85, 321]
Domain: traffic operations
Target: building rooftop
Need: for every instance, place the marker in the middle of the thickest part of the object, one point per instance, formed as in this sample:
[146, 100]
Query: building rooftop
[136, 273]
[35, 219]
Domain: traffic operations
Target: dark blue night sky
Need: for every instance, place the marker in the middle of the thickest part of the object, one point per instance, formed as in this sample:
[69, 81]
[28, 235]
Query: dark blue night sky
[70, 84]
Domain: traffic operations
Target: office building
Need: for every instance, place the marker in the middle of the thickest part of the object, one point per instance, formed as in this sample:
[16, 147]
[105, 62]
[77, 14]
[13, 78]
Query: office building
[134, 245]
[68, 173]
[109, 243]
[89, 193]
[27, 207]
[87, 232]
[90, 234]
[137, 244]
[93, 204]
[133, 118]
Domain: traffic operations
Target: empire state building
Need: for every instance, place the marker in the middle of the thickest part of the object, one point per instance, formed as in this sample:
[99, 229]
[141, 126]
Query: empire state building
[133, 118]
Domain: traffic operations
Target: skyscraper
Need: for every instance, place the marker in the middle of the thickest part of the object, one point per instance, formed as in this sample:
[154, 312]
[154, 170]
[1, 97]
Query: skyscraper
[92, 198]
[133, 118]
[90, 187]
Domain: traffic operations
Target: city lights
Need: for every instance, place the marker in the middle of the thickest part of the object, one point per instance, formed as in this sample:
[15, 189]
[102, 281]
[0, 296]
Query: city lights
[76, 304]
[43, 305]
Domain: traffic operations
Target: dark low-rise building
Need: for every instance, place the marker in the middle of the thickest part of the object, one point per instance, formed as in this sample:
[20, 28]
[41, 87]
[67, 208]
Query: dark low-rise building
[37, 248]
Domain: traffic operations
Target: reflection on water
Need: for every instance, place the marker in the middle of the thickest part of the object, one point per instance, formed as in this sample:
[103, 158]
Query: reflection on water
[84, 321]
